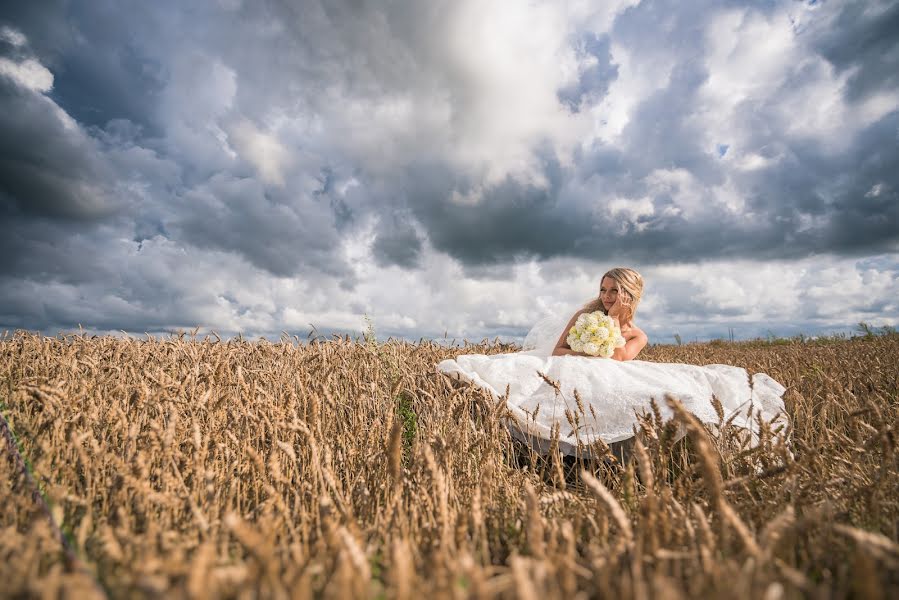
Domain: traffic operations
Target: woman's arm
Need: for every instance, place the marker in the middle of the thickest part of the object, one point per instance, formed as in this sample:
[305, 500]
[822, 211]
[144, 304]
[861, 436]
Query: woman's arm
[566, 351]
[629, 351]
[632, 347]
[562, 348]
[636, 339]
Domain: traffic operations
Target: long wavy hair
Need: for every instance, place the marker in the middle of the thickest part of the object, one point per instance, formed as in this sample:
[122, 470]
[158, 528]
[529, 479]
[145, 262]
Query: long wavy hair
[630, 283]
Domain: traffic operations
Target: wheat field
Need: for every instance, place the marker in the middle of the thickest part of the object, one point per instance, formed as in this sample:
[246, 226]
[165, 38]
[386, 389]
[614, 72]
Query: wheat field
[194, 468]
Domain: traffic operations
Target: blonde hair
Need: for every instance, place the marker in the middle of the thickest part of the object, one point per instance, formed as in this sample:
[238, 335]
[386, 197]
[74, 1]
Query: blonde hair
[629, 282]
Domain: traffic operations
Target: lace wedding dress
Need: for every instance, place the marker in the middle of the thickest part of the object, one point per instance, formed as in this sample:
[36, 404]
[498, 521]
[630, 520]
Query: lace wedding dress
[612, 392]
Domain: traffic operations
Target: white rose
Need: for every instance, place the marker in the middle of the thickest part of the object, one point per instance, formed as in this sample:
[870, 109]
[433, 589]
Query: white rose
[585, 336]
[591, 349]
[602, 332]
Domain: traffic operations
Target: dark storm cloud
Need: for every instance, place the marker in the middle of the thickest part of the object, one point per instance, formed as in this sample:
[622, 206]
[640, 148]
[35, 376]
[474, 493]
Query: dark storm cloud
[516, 222]
[864, 38]
[105, 66]
[343, 213]
[125, 208]
[44, 23]
[131, 82]
[660, 134]
[48, 169]
[55, 276]
[271, 229]
[50, 251]
[852, 200]
[111, 72]
[511, 221]
[397, 243]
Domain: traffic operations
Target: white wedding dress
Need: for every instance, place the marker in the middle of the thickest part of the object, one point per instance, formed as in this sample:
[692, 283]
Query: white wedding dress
[612, 392]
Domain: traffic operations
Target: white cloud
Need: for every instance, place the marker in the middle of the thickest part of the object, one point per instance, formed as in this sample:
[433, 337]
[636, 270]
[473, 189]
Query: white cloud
[760, 62]
[29, 74]
[753, 161]
[261, 149]
[639, 76]
[876, 190]
[691, 197]
[478, 92]
[506, 61]
[13, 36]
[597, 17]
[749, 55]
[197, 100]
[631, 210]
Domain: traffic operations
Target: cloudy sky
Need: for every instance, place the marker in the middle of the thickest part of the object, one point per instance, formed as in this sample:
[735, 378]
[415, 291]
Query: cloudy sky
[447, 167]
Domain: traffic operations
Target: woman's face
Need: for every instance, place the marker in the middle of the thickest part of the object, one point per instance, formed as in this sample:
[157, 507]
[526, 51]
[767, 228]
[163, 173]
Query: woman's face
[608, 292]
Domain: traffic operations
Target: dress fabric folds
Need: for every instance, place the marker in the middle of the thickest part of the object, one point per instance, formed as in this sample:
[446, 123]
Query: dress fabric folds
[615, 391]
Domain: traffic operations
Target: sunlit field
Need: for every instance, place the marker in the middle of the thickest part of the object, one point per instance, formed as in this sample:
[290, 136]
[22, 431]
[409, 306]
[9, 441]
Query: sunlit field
[199, 468]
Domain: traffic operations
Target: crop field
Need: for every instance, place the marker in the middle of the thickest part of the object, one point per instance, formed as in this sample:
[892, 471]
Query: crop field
[194, 468]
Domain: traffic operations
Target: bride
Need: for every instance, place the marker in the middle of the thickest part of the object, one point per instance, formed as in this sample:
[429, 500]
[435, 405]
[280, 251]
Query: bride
[619, 294]
[590, 398]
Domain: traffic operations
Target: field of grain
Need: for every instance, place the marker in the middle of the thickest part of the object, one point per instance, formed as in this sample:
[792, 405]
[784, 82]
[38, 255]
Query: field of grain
[350, 469]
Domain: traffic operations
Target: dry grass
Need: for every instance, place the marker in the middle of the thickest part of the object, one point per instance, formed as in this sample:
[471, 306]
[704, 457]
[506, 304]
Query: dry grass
[199, 468]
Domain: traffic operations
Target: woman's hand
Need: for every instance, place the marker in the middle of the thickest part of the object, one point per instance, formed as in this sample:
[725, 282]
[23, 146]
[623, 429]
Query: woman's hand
[621, 307]
[560, 351]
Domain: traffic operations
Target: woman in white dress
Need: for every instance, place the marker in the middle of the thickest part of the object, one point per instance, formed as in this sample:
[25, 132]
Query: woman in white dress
[589, 398]
[619, 294]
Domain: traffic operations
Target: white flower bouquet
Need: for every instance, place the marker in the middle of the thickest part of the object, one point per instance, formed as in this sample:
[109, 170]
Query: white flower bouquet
[595, 334]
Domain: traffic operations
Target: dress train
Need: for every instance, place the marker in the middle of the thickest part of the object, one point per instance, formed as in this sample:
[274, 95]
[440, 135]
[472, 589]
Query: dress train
[613, 393]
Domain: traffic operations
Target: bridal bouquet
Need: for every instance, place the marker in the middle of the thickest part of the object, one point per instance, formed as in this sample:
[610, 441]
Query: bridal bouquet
[595, 334]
